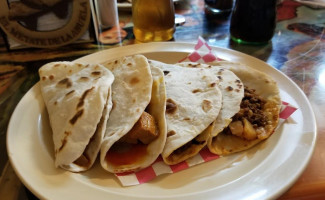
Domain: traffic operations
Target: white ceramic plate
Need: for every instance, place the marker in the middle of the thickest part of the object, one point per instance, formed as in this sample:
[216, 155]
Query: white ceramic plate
[263, 172]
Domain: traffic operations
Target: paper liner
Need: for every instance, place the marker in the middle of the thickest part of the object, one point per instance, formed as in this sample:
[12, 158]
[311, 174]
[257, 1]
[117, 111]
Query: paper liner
[202, 53]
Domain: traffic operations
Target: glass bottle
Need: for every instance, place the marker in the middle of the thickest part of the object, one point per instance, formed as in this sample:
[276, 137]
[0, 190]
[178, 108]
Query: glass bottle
[253, 21]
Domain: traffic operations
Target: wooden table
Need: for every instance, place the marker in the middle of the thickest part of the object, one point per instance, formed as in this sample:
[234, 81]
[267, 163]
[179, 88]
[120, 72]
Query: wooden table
[297, 49]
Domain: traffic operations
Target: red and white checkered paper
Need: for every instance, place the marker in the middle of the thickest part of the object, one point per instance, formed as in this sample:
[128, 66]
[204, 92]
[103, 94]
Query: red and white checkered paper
[202, 53]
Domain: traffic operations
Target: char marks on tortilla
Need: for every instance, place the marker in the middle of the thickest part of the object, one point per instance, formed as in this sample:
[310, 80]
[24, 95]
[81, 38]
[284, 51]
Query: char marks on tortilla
[136, 89]
[77, 110]
[193, 104]
[232, 91]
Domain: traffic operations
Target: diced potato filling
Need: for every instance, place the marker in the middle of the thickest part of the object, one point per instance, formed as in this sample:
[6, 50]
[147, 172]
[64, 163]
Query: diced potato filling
[144, 130]
[252, 119]
[236, 128]
[249, 132]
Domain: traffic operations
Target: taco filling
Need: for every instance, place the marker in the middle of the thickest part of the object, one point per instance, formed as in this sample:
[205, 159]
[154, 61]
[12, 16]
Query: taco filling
[258, 113]
[251, 121]
[255, 121]
[132, 147]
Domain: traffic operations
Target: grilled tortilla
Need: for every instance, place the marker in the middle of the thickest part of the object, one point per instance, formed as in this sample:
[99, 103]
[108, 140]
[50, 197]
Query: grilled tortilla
[232, 90]
[193, 104]
[136, 130]
[258, 115]
[78, 101]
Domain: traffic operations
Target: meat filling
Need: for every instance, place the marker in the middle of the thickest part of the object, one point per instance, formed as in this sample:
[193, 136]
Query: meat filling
[248, 123]
[188, 145]
[144, 130]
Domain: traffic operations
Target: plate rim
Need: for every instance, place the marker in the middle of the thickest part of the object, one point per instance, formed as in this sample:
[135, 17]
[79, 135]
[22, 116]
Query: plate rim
[164, 46]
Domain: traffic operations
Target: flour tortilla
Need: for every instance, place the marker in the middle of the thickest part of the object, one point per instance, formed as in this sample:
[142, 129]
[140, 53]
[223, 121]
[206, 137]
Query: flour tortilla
[193, 104]
[136, 88]
[78, 101]
[232, 90]
[267, 88]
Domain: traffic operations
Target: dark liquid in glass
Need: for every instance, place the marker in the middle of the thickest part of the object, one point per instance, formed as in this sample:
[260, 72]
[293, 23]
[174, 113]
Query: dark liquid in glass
[219, 4]
[218, 7]
[253, 21]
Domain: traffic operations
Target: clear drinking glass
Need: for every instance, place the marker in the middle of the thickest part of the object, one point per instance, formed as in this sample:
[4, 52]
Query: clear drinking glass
[154, 20]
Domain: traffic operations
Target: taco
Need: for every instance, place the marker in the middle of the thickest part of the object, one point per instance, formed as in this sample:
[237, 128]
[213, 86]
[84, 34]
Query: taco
[193, 104]
[78, 101]
[258, 115]
[136, 130]
[232, 91]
